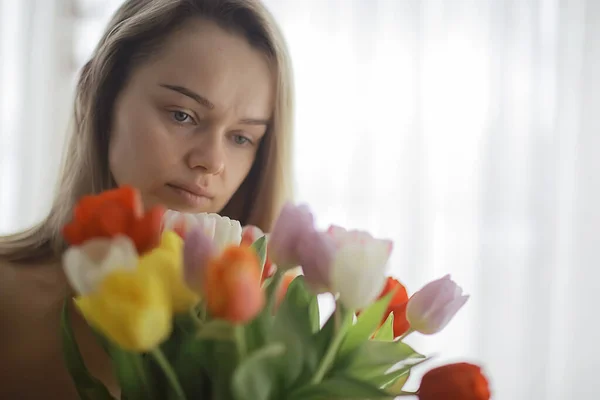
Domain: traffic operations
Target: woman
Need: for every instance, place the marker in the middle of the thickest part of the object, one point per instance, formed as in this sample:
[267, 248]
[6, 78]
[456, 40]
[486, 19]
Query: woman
[190, 101]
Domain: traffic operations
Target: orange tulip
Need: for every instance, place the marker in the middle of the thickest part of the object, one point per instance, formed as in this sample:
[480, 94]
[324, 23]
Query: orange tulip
[232, 285]
[461, 381]
[112, 213]
[397, 305]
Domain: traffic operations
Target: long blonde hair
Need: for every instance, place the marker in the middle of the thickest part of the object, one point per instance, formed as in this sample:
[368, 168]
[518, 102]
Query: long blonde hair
[136, 29]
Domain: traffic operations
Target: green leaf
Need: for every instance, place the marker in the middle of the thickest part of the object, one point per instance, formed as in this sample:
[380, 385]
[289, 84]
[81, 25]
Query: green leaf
[293, 327]
[366, 325]
[314, 315]
[260, 246]
[217, 329]
[342, 320]
[271, 287]
[190, 365]
[394, 381]
[325, 335]
[386, 332]
[88, 387]
[253, 379]
[133, 374]
[220, 362]
[340, 387]
[396, 384]
[174, 385]
[375, 357]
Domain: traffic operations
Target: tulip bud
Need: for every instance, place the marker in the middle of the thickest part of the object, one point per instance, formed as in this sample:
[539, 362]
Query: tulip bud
[396, 306]
[227, 232]
[182, 223]
[316, 253]
[115, 212]
[222, 230]
[85, 266]
[358, 272]
[293, 223]
[232, 285]
[430, 309]
[460, 381]
[131, 307]
[166, 261]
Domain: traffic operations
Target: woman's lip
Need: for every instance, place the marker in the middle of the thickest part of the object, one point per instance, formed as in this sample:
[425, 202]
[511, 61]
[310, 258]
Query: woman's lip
[191, 198]
[196, 190]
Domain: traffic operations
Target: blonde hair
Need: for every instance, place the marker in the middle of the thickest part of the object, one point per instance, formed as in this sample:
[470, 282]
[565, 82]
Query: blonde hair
[135, 31]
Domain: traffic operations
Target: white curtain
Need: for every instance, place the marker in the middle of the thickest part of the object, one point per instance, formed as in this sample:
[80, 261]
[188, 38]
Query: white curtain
[465, 130]
[36, 69]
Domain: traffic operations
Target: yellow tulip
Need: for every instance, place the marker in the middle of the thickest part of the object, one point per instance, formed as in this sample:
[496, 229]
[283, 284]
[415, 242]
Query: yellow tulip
[166, 261]
[131, 308]
[134, 307]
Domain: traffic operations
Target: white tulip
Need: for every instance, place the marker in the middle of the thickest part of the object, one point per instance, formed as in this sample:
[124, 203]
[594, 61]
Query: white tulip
[227, 231]
[173, 220]
[86, 266]
[223, 231]
[358, 272]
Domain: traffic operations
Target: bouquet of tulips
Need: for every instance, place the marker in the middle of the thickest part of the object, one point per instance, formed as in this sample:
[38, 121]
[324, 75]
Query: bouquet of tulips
[195, 306]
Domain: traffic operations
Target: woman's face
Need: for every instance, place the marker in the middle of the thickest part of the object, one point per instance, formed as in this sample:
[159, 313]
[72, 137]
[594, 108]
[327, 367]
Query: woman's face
[187, 125]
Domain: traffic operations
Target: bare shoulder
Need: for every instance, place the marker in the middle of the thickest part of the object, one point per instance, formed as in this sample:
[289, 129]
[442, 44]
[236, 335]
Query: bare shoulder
[29, 294]
[33, 284]
[30, 302]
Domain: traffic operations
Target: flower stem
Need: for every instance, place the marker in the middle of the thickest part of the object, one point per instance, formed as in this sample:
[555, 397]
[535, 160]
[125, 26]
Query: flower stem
[335, 344]
[240, 339]
[163, 363]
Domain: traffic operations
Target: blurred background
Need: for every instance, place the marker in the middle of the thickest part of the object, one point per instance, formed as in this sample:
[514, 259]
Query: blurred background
[465, 130]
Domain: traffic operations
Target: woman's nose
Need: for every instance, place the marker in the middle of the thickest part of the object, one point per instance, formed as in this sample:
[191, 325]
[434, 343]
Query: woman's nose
[208, 154]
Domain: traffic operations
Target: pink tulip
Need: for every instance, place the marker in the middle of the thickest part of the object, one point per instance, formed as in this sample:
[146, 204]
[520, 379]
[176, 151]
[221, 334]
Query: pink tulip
[316, 252]
[198, 249]
[430, 309]
[293, 223]
[294, 242]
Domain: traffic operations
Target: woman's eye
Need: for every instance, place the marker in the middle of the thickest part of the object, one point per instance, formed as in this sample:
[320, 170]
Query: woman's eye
[241, 140]
[181, 117]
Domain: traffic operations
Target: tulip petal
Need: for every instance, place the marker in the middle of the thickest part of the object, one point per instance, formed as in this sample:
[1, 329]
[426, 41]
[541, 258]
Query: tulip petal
[166, 261]
[227, 232]
[316, 252]
[444, 315]
[232, 285]
[430, 309]
[131, 308]
[85, 266]
[223, 231]
[198, 249]
[251, 234]
[292, 223]
[426, 298]
[358, 273]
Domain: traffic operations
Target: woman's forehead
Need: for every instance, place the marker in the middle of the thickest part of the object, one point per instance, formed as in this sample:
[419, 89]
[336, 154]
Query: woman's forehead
[215, 64]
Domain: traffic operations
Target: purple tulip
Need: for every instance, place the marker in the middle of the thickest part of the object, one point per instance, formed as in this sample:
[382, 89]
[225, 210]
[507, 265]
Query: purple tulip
[316, 252]
[293, 223]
